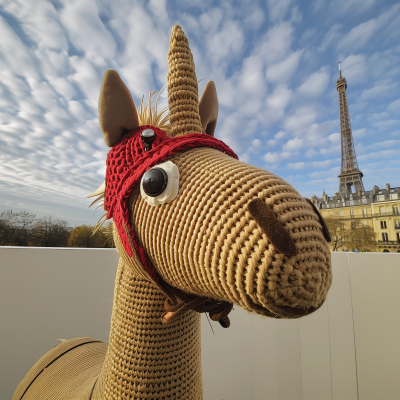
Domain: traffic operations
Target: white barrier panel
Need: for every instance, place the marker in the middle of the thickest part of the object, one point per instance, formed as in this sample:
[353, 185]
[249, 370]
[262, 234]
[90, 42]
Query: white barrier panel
[349, 349]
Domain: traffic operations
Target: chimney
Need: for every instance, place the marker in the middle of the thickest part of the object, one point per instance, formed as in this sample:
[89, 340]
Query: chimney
[325, 197]
[375, 189]
[359, 193]
[387, 186]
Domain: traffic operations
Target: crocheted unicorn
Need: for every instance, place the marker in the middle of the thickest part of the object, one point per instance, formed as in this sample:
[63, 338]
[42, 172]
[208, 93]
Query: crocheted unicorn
[197, 231]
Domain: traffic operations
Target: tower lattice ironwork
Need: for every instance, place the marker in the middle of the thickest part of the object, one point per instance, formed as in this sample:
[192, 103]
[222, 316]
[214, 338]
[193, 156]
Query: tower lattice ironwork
[350, 175]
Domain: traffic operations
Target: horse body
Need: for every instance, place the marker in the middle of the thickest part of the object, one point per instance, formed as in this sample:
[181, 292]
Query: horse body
[232, 234]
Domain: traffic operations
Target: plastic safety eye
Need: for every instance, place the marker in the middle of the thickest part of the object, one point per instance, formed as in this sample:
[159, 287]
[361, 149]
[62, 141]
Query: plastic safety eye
[160, 184]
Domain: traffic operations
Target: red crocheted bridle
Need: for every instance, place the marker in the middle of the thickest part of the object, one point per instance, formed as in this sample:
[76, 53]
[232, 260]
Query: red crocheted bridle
[127, 161]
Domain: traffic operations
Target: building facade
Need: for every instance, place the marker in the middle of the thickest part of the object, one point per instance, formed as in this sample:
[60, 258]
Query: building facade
[377, 208]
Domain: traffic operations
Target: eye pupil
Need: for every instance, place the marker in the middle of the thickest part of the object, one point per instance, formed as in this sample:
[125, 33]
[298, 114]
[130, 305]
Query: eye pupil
[154, 182]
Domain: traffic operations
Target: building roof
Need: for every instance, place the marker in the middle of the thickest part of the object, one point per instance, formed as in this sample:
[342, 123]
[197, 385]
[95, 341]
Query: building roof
[339, 200]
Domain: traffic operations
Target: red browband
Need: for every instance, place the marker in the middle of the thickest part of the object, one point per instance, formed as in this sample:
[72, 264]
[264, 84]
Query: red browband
[127, 161]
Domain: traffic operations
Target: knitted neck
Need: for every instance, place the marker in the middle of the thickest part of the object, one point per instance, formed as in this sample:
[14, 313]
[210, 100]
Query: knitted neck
[145, 358]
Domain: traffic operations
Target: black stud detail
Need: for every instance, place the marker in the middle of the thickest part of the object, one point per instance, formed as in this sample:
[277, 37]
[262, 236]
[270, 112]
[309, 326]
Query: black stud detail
[148, 136]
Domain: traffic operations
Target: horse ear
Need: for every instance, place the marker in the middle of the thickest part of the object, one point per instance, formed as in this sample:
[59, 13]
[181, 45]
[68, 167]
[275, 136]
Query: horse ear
[208, 108]
[117, 111]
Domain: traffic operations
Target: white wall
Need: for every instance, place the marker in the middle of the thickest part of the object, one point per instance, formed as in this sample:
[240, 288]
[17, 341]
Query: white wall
[348, 349]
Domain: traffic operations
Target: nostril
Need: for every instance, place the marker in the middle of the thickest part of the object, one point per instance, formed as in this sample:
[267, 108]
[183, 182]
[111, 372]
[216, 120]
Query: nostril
[275, 231]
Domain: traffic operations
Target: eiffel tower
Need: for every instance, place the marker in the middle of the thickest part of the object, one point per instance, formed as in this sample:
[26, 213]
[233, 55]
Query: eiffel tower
[350, 175]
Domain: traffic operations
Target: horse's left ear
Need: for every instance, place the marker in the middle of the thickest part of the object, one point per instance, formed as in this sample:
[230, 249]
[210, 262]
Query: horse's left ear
[208, 108]
[117, 111]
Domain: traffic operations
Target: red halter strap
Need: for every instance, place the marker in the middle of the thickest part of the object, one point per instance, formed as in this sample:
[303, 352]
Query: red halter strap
[127, 161]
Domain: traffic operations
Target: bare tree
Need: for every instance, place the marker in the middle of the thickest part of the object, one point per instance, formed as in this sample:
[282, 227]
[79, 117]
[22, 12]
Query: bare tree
[351, 234]
[49, 232]
[362, 237]
[15, 228]
[337, 229]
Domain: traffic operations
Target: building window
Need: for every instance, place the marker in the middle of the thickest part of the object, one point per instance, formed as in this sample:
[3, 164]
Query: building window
[396, 210]
[380, 198]
[382, 210]
[352, 202]
[398, 237]
[384, 236]
[397, 224]
[364, 201]
[394, 196]
[351, 214]
[365, 212]
[340, 213]
[383, 225]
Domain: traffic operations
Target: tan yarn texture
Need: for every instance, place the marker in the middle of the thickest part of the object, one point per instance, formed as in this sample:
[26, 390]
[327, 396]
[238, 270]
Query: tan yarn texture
[183, 92]
[147, 359]
[68, 371]
[205, 242]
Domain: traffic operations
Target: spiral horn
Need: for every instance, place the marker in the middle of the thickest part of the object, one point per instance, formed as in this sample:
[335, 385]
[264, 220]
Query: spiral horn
[183, 91]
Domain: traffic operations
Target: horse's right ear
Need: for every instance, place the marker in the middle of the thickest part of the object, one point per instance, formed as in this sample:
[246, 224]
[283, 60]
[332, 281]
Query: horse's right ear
[208, 108]
[117, 111]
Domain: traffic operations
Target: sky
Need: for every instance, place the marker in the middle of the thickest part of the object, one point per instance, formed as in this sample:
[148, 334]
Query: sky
[274, 63]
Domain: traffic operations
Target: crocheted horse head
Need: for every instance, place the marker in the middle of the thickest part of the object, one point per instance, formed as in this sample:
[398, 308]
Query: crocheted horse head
[197, 231]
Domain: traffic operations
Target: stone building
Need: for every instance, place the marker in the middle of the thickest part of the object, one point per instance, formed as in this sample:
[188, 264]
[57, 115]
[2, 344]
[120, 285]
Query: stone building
[378, 208]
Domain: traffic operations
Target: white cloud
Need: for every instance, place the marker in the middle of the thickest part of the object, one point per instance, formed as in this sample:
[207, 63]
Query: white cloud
[384, 154]
[16, 57]
[275, 45]
[330, 37]
[301, 120]
[354, 68]
[85, 29]
[280, 135]
[255, 19]
[314, 164]
[277, 102]
[316, 84]
[395, 105]
[227, 42]
[293, 144]
[310, 153]
[359, 133]
[378, 90]
[342, 7]
[273, 158]
[281, 72]
[278, 9]
[360, 35]
[326, 173]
